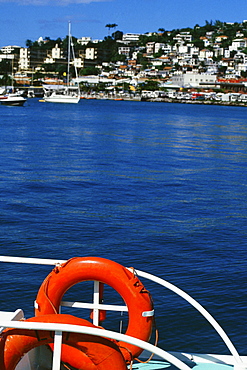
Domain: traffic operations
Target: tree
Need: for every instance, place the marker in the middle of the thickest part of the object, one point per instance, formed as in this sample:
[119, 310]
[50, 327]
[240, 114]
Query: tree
[218, 24]
[161, 30]
[29, 43]
[244, 50]
[143, 61]
[244, 74]
[118, 35]
[111, 25]
[5, 71]
[89, 71]
[5, 66]
[150, 85]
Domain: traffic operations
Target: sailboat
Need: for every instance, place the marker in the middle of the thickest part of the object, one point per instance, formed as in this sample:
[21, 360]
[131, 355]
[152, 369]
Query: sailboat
[64, 93]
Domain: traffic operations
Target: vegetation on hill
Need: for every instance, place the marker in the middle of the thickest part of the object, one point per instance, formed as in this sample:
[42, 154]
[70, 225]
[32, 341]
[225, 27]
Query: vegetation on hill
[108, 48]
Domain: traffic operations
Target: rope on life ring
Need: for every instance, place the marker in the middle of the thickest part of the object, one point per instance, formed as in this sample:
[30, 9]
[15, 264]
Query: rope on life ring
[87, 352]
[125, 282]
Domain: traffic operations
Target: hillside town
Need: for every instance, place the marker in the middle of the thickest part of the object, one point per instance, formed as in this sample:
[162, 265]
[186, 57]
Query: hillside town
[201, 63]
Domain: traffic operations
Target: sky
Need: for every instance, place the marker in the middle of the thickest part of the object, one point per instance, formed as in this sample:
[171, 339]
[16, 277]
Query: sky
[22, 20]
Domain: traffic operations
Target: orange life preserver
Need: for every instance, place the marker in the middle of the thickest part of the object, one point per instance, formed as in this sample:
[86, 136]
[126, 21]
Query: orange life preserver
[125, 282]
[87, 352]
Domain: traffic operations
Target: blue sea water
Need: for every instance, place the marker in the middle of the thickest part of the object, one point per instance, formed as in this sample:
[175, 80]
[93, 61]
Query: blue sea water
[160, 187]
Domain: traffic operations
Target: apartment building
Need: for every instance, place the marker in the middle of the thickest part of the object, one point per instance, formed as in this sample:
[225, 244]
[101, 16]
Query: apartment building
[131, 37]
[182, 38]
[124, 50]
[238, 44]
[24, 60]
[193, 80]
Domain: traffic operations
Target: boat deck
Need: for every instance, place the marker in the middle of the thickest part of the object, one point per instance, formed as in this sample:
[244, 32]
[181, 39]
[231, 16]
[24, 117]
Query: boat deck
[160, 365]
[47, 359]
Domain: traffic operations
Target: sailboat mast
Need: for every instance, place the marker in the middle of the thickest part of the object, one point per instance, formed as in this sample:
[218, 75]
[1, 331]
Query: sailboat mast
[69, 43]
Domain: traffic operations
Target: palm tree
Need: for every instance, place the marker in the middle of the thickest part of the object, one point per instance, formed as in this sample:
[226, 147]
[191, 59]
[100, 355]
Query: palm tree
[111, 25]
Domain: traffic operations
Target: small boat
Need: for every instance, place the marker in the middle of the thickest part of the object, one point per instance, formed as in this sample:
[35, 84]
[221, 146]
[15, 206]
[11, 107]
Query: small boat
[64, 93]
[61, 94]
[58, 341]
[11, 98]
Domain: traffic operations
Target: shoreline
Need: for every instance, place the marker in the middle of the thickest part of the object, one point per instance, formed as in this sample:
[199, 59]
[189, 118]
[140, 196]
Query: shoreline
[163, 100]
[202, 102]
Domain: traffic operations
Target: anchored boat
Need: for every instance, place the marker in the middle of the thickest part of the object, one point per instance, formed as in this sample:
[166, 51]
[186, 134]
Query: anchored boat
[11, 98]
[64, 93]
[54, 340]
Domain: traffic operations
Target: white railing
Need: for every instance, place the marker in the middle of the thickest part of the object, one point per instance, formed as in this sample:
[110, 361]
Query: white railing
[198, 307]
[59, 328]
[96, 306]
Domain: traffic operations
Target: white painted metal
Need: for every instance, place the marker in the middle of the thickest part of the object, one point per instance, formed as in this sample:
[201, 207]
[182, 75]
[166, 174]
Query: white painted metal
[91, 306]
[199, 308]
[98, 332]
[157, 280]
[17, 315]
[148, 313]
[96, 301]
[37, 261]
[57, 350]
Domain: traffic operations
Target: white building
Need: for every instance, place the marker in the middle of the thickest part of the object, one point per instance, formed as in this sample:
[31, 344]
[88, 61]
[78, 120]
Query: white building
[6, 56]
[183, 49]
[56, 52]
[227, 53]
[150, 47]
[131, 37]
[167, 49]
[24, 59]
[84, 40]
[206, 41]
[124, 50]
[238, 44]
[221, 38]
[9, 49]
[206, 54]
[158, 46]
[78, 63]
[193, 80]
[183, 37]
[91, 53]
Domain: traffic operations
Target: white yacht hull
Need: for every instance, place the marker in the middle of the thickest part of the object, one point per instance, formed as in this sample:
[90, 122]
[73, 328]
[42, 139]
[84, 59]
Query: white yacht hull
[62, 99]
[12, 100]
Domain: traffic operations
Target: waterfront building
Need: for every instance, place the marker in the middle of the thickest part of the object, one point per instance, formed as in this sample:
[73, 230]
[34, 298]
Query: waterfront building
[193, 80]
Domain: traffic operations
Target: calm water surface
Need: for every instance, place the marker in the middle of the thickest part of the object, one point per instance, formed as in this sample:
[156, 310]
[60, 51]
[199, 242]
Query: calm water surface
[161, 187]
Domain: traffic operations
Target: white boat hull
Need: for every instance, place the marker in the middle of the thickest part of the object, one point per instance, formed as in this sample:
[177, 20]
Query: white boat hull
[62, 99]
[12, 100]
